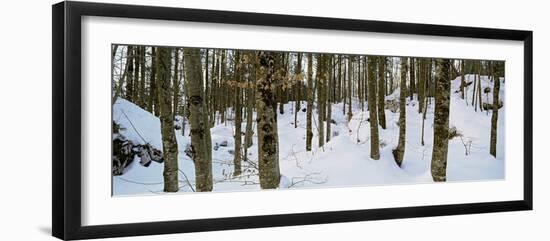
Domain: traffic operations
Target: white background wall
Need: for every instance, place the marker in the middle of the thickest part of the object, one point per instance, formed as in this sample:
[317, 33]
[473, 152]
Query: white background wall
[25, 119]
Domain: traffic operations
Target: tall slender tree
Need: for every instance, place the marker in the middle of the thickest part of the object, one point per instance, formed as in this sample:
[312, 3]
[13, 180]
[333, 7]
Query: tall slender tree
[441, 121]
[320, 77]
[462, 80]
[349, 90]
[238, 115]
[339, 84]
[412, 78]
[309, 132]
[169, 148]
[373, 118]
[480, 100]
[129, 87]
[298, 84]
[381, 91]
[200, 133]
[176, 82]
[249, 63]
[142, 98]
[400, 150]
[421, 84]
[494, 117]
[330, 98]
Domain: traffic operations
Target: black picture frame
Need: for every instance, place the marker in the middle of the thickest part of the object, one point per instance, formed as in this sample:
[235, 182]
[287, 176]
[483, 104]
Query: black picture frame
[67, 137]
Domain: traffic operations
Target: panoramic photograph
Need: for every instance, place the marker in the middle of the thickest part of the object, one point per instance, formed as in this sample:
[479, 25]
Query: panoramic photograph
[188, 119]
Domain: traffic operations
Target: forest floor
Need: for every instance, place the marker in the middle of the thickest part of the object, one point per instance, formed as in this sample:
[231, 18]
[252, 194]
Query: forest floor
[343, 161]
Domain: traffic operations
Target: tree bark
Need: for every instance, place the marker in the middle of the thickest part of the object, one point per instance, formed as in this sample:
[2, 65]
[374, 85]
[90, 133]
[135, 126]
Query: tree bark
[479, 96]
[238, 116]
[381, 92]
[135, 81]
[421, 84]
[169, 148]
[200, 133]
[309, 132]
[321, 79]
[329, 100]
[298, 83]
[349, 90]
[250, 100]
[176, 82]
[373, 118]
[494, 117]
[129, 88]
[412, 79]
[462, 80]
[400, 150]
[441, 121]
[142, 101]
[153, 100]
[268, 146]
[339, 86]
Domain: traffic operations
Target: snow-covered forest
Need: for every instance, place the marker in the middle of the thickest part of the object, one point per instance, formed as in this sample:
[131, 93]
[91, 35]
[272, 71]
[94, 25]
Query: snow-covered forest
[201, 120]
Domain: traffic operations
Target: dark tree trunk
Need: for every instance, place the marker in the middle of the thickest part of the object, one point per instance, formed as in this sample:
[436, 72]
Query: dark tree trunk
[321, 82]
[309, 108]
[238, 116]
[373, 118]
[441, 121]
[298, 84]
[494, 117]
[381, 91]
[412, 79]
[268, 142]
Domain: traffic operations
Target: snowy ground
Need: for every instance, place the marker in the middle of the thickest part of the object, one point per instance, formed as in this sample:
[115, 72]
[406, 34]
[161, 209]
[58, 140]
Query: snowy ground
[343, 161]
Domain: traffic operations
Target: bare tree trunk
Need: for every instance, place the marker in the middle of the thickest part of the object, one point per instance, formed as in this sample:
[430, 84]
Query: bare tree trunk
[215, 87]
[200, 133]
[329, 99]
[169, 147]
[350, 92]
[373, 118]
[176, 82]
[421, 84]
[412, 79]
[153, 96]
[135, 81]
[479, 98]
[141, 101]
[114, 48]
[298, 80]
[250, 101]
[238, 116]
[400, 150]
[309, 132]
[441, 121]
[360, 84]
[381, 92]
[494, 117]
[365, 82]
[474, 88]
[130, 74]
[223, 88]
[268, 146]
[462, 80]
[339, 87]
[344, 90]
[321, 79]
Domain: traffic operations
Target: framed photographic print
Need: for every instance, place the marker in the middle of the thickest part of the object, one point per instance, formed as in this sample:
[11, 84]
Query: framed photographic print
[169, 120]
